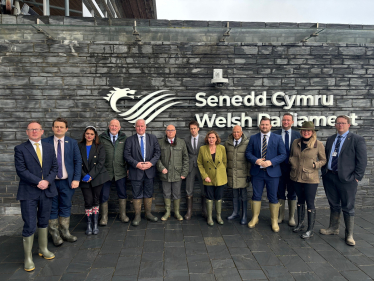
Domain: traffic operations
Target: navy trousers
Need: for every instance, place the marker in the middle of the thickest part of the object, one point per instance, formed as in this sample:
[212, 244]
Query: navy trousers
[286, 184]
[61, 204]
[120, 186]
[258, 184]
[35, 213]
[142, 188]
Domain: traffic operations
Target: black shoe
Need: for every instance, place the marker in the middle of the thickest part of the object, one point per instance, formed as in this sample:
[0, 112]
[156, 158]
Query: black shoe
[300, 218]
[95, 228]
[311, 220]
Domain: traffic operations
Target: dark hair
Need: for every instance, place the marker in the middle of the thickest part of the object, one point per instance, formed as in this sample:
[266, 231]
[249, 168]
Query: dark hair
[193, 122]
[218, 141]
[264, 118]
[96, 139]
[60, 119]
[34, 121]
[288, 114]
[345, 117]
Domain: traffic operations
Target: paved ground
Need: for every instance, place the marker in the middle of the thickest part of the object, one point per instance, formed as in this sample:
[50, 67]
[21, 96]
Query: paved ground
[192, 250]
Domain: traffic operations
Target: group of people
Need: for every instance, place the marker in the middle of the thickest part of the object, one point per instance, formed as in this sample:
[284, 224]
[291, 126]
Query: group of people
[51, 169]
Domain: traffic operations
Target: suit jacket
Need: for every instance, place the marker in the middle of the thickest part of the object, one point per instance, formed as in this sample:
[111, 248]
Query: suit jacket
[31, 172]
[94, 166]
[72, 158]
[133, 156]
[216, 170]
[276, 153]
[352, 159]
[285, 166]
[192, 155]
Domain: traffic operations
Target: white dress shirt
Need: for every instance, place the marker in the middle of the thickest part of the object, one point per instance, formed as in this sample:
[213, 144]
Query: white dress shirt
[40, 146]
[145, 143]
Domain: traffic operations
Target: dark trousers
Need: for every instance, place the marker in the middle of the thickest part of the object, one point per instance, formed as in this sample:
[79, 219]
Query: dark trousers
[142, 188]
[190, 181]
[35, 210]
[120, 186]
[286, 184]
[91, 196]
[240, 193]
[61, 204]
[214, 192]
[258, 184]
[306, 192]
[341, 196]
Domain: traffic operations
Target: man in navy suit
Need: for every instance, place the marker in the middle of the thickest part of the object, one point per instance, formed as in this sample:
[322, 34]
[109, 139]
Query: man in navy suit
[141, 153]
[69, 162]
[341, 174]
[265, 151]
[288, 136]
[36, 166]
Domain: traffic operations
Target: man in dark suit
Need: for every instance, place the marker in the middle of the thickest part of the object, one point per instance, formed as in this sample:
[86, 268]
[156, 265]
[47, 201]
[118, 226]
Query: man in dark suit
[67, 180]
[36, 166]
[141, 153]
[344, 169]
[265, 151]
[288, 136]
[194, 142]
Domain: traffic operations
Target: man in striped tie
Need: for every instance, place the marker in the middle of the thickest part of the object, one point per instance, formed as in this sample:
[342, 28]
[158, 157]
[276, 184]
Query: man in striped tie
[345, 168]
[265, 151]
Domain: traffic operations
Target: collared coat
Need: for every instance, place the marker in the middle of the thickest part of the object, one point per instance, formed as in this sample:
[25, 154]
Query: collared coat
[115, 163]
[216, 170]
[301, 162]
[238, 168]
[174, 158]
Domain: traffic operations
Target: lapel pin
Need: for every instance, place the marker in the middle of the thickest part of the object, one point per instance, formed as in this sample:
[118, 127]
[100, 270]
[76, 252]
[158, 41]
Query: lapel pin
[67, 141]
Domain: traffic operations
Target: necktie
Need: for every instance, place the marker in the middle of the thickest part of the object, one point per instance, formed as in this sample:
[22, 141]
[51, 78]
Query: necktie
[142, 146]
[236, 143]
[264, 147]
[39, 154]
[287, 144]
[334, 161]
[194, 145]
[114, 139]
[171, 141]
[59, 159]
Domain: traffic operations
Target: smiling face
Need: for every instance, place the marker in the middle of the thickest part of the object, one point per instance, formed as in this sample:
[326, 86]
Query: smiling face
[170, 132]
[306, 134]
[265, 126]
[34, 131]
[212, 139]
[287, 122]
[140, 127]
[89, 135]
[59, 129]
[237, 132]
[114, 127]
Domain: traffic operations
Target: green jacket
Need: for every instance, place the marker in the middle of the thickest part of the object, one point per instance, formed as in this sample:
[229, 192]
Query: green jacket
[174, 158]
[216, 170]
[115, 163]
[237, 165]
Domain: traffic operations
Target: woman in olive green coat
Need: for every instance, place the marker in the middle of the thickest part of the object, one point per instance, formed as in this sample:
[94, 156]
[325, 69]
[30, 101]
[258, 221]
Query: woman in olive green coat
[307, 155]
[212, 163]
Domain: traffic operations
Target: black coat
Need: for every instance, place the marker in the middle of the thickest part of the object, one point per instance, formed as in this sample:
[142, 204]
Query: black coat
[94, 166]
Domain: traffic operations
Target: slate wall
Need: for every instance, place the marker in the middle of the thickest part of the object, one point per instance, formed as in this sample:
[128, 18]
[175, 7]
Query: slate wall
[43, 79]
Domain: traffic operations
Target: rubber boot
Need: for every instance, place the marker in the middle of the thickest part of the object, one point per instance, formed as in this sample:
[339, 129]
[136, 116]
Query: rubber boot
[176, 209]
[256, 208]
[148, 208]
[89, 222]
[218, 211]
[53, 230]
[167, 208]
[188, 215]
[27, 248]
[333, 228]
[244, 218]
[311, 220]
[291, 212]
[122, 210]
[43, 243]
[274, 213]
[281, 210]
[349, 224]
[95, 224]
[104, 213]
[204, 211]
[235, 204]
[64, 229]
[138, 210]
[209, 208]
[300, 218]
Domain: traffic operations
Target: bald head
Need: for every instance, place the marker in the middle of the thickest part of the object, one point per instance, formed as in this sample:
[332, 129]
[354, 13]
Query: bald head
[237, 132]
[170, 132]
[114, 127]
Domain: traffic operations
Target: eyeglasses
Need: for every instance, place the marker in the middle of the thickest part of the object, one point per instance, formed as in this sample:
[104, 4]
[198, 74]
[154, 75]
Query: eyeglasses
[170, 130]
[34, 130]
[341, 123]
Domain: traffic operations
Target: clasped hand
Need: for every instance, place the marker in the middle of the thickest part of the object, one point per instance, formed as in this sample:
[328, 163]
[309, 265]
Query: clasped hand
[43, 184]
[263, 163]
[144, 165]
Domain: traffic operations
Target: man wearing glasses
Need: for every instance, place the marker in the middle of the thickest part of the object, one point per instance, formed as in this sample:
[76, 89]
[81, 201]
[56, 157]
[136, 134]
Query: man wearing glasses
[345, 168]
[173, 168]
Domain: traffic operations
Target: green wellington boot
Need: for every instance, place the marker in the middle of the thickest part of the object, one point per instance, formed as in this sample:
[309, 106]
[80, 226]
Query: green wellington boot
[274, 213]
[64, 229]
[122, 210]
[333, 228]
[176, 209]
[138, 210]
[218, 211]
[256, 208]
[282, 208]
[209, 209]
[104, 214]
[43, 242]
[167, 208]
[27, 247]
[55, 233]
[148, 208]
[291, 212]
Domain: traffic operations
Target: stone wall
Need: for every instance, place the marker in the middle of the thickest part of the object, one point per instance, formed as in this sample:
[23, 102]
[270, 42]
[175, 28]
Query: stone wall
[43, 79]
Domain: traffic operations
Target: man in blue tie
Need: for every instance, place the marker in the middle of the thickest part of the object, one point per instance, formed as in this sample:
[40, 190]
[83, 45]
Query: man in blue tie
[345, 168]
[141, 153]
[67, 181]
[288, 136]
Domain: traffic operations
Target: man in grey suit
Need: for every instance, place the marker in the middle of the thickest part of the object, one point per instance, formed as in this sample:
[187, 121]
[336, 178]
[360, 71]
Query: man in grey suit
[344, 169]
[194, 142]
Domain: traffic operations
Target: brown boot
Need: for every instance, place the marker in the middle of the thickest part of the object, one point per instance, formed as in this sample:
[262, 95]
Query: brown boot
[53, 230]
[148, 208]
[122, 210]
[189, 208]
[64, 229]
[104, 214]
[138, 210]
